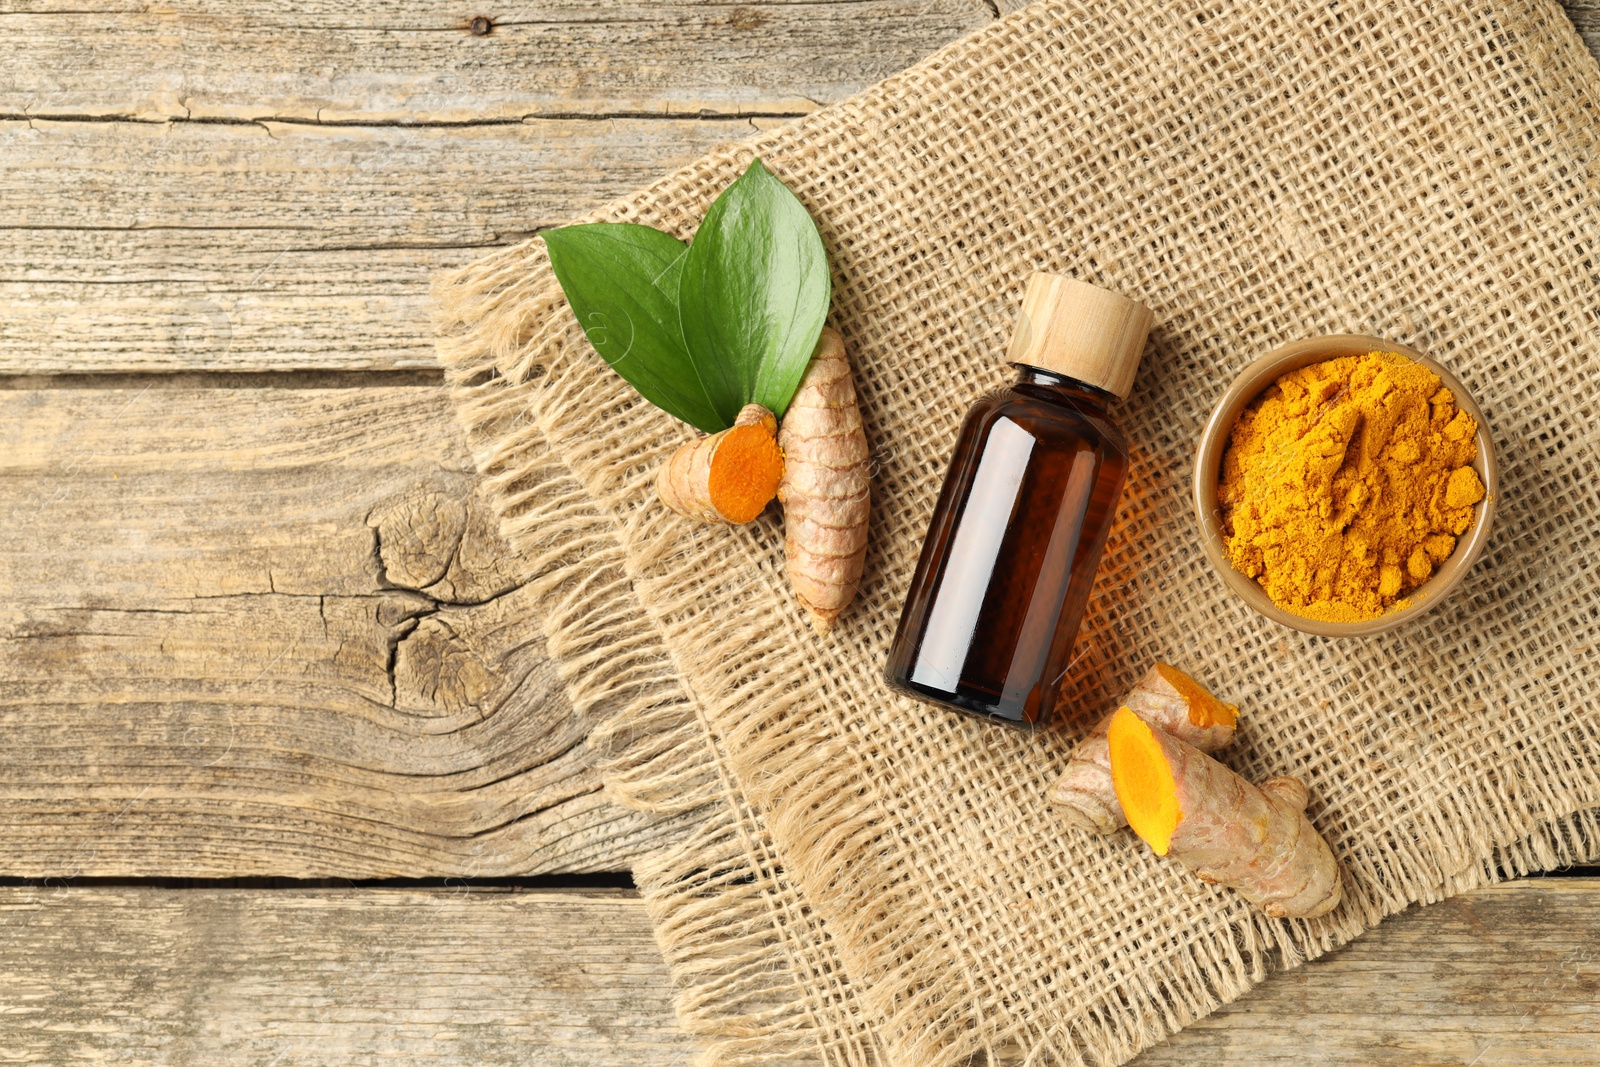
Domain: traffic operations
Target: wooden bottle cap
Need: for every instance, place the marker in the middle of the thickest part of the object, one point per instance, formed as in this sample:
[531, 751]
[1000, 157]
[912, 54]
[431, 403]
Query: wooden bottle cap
[1082, 331]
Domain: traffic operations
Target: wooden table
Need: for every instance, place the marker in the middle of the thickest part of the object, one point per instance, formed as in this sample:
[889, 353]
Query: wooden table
[287, 776]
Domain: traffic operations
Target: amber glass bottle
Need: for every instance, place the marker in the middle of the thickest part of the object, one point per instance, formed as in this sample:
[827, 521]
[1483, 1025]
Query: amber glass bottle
[1033, 484]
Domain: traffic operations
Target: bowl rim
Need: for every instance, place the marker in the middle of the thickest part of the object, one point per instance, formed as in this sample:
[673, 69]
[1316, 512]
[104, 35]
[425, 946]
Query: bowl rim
[1253, 381]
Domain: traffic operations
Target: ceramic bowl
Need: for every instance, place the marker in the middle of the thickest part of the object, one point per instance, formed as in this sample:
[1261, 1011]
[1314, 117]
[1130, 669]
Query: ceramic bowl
[1208, 466]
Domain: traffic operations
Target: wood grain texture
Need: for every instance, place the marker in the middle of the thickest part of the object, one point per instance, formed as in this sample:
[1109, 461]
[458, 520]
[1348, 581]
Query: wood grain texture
[154, 977]
[262, 626]
[1504, 976]
[173, 231]
[1585, 16]
[324, 61]
[97, 975]
[278, 190]
[268, 627]
[172, 246]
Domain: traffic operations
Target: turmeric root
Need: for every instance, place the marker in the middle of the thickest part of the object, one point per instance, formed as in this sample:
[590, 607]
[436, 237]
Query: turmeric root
[1167, 699]
[726, 477]
[824, 490]
[1185, 804]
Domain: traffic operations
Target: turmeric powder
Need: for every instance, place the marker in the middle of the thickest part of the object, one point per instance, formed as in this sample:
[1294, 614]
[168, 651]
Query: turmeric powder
[1346, 483]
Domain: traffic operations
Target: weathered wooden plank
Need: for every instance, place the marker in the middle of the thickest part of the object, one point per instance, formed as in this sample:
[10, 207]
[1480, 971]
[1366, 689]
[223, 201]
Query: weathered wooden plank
[205, 240]
[331, 185]
[269, 628]
[148, 977]
[420, 62]
[1508, 975]
[1586, 16]
[170, 246]
[283, 245]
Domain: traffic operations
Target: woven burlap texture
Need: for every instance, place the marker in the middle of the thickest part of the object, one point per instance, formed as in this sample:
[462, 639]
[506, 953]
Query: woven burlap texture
[882, 882]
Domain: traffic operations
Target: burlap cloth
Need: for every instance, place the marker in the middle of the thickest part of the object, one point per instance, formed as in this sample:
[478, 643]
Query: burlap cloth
[882, 882]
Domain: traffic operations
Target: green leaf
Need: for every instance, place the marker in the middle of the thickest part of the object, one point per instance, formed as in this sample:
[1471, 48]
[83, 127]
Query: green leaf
[753, 294]
[702, 332]
[622, 281]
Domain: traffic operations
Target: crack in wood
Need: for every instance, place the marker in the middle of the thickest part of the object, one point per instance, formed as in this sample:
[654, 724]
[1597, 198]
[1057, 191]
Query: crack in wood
[389, 708]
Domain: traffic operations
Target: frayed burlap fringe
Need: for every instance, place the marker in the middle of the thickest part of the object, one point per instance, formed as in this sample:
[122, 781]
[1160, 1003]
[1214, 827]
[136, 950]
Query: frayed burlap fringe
[882, 882]
[722, 908]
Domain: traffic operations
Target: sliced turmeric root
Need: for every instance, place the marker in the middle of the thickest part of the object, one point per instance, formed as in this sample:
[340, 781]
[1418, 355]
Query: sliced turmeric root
[726, 477]
[1186, 805]
[1167, 699]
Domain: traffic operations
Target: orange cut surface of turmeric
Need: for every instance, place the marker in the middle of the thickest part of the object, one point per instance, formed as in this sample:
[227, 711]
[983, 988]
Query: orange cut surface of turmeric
[1144, 780]
[1204, 707]
[1255, 839]
[1167, 699]
[745, 473]
[1346, 484]
[726, 477]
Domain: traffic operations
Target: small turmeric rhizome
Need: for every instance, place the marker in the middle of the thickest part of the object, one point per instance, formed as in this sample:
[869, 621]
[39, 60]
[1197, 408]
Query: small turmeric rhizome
[1346, 484]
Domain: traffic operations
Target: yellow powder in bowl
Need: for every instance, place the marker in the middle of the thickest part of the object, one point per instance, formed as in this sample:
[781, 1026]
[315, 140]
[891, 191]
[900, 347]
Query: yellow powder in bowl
[1346, 483]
